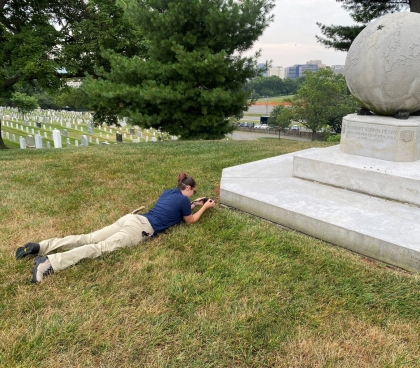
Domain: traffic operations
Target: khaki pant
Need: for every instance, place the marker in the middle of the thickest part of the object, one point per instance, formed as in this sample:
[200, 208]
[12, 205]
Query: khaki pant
[127, 231]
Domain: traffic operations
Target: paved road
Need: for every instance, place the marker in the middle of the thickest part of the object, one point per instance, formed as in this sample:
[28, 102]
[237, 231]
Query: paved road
[239, 135]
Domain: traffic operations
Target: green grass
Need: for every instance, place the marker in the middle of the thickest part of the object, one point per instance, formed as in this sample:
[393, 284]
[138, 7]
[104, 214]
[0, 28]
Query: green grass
[232, 290]
[276, 99]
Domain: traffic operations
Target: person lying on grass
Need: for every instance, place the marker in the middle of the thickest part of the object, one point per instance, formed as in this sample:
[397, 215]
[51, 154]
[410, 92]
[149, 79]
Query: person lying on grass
[171, 208]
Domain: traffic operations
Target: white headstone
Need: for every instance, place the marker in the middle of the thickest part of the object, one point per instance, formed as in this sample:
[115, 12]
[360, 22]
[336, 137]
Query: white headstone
[84, 141]
[48, 145]
[38, 141]
[57, 138]
[22, 143]
[97, 140]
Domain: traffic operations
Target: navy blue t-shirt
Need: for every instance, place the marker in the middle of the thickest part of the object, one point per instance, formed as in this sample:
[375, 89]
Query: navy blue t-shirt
[169, 210]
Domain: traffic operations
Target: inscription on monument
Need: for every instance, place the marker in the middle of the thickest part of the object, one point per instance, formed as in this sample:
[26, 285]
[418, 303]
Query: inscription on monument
[370, 134]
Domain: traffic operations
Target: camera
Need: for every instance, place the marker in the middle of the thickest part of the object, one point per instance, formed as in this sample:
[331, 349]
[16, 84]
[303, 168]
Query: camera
[203, 200]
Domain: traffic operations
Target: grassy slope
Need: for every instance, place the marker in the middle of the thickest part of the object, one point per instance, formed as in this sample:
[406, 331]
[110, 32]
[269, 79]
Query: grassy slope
[230, 291]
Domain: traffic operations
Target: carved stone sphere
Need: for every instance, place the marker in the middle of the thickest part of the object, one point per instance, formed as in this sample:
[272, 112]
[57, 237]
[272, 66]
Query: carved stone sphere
[383, 64]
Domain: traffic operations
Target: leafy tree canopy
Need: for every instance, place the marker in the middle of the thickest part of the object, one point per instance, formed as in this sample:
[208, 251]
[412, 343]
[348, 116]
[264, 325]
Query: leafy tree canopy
[280, 116]
[322, 98]
[192, 80]
[24, 103]
[40, 38]
[362, 12]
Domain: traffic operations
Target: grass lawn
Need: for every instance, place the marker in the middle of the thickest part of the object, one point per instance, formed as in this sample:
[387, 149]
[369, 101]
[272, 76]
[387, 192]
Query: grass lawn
[232, 290]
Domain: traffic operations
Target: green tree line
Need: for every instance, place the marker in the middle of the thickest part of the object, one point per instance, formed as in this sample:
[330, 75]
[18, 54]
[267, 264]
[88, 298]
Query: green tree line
[273, 86]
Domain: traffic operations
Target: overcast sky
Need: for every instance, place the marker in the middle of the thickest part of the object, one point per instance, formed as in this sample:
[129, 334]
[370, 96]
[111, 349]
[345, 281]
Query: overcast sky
[290, 39]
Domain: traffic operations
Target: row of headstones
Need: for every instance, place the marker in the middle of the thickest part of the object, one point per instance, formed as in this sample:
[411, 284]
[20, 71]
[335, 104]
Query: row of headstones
[65, 132]
[27, 121]
[43, 119]
[48, 113]
[37, 141]
[52, 115]
[68, 126]
[26, 127]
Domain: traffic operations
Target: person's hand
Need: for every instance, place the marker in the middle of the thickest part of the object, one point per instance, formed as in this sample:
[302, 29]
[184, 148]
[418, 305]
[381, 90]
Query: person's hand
[210, 203]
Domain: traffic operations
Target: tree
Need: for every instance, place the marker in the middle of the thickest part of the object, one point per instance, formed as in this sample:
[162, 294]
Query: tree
[72, 98]
[44, 41]
[39, 37]
[322, 97]
[192, 81]
[273, 86]
[362, 12]
[24, 103]
[281, 117]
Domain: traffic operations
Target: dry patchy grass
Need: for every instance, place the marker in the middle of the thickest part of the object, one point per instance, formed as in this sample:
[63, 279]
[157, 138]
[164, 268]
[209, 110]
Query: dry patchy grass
[230, 291]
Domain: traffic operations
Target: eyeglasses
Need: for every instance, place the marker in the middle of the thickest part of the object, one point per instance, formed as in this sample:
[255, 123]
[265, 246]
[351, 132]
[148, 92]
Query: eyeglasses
[195, 192]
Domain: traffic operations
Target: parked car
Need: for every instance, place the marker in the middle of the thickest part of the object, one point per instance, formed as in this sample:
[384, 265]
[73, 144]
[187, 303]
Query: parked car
[250, 125]
[295, 127]
[246, 125]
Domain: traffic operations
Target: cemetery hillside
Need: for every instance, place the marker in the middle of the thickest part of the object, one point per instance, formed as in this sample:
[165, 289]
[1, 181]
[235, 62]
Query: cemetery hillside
[58, 129]
[232, 290]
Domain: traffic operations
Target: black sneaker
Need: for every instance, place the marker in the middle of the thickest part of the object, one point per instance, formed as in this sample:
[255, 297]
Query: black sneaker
[29, 248]
[41, 269]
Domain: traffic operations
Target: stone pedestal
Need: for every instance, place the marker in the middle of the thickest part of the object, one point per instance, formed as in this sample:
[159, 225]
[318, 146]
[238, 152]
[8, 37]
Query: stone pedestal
[363, 195]
[382, 229]
[381, 137]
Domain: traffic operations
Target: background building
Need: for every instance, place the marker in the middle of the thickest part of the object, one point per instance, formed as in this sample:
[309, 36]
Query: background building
[338, 69]
[279, 71]
[74, 83]
[317, 62]
[297, 70]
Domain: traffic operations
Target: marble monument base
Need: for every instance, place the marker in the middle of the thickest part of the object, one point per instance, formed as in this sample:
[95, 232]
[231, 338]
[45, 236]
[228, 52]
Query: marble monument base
[367, 205]
[382, 137]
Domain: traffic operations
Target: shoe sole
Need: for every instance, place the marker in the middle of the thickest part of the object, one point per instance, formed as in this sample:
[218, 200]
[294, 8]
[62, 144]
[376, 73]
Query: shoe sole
[23, 252]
